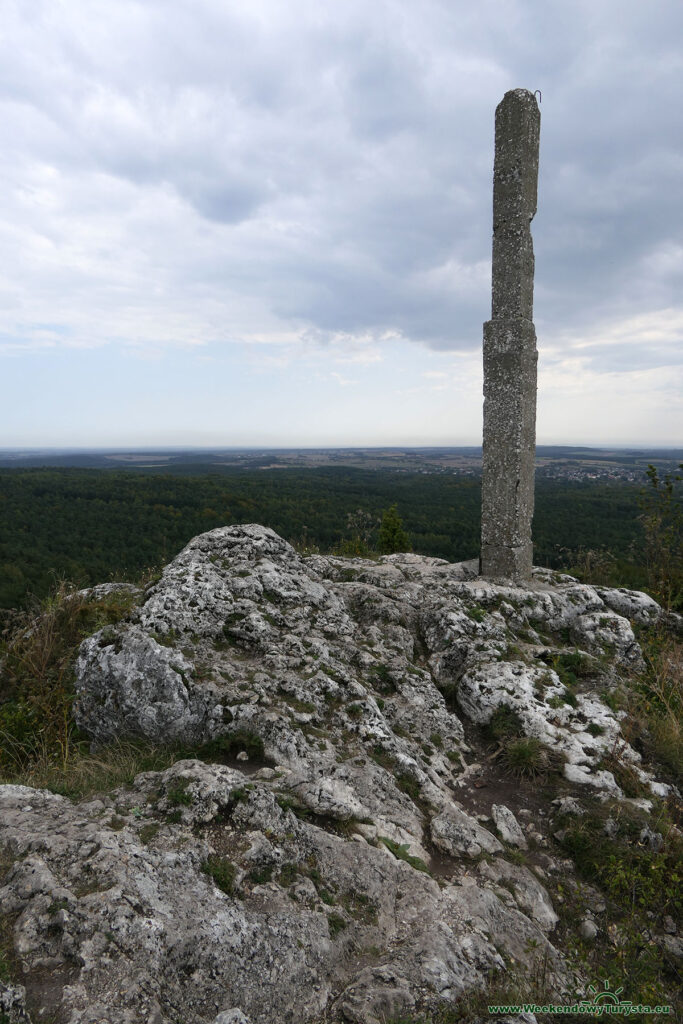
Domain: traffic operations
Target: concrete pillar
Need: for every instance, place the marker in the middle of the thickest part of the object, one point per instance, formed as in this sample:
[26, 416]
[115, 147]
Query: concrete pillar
[510, 353]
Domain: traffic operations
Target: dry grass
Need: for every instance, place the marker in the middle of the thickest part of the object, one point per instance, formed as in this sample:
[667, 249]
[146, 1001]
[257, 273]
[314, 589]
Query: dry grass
[525, 757]
[82, 773]
[654, 705]
[37, 656]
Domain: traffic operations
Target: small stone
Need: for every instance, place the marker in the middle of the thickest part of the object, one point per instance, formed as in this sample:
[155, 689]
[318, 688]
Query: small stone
[669, 925]
[243, 756]
[508, 826]
[231, 1017]
[588, 929]
[569, 805]
[611, 828]
[13, 1002]
[654, 840]
[673, 944]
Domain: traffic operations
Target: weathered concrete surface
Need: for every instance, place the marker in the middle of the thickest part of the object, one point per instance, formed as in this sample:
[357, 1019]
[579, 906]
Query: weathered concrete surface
[510, 354]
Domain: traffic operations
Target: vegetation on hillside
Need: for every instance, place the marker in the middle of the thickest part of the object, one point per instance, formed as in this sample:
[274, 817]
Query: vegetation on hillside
[95, 524]
[89, 525]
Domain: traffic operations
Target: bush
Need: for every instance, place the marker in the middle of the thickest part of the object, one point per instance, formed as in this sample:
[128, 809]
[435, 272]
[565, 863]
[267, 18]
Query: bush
[662, 520]
[222, 871]
[37, 657]
[225, 748]
[653, 702]
[392, 536]
[504, 722]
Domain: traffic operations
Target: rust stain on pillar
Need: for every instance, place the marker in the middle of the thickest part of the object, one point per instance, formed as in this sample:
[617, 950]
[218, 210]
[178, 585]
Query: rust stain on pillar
[510, 354]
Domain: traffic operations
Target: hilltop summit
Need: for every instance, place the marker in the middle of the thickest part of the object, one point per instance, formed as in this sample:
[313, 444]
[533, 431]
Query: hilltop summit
[383, 765]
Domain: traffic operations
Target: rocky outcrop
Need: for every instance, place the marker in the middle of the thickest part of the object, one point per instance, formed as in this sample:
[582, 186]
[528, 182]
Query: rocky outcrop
[132, 899]
[330, 861]
[243, 633]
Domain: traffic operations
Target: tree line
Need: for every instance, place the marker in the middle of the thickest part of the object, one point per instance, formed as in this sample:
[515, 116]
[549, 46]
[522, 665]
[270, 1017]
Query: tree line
[92, 525]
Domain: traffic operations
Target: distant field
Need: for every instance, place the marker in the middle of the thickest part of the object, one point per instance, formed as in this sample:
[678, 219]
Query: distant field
[87, 525]
[556, 461]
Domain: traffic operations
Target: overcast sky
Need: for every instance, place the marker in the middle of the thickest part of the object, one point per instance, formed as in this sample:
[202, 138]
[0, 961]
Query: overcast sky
[269, 222]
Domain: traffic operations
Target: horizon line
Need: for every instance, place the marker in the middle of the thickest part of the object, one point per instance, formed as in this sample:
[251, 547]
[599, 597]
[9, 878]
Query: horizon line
[594, 445]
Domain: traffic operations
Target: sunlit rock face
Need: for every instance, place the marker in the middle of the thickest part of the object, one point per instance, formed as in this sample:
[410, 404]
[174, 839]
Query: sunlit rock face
[341, 839]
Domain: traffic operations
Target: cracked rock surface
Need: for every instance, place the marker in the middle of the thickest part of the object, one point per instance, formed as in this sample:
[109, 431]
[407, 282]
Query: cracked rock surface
[334, 866]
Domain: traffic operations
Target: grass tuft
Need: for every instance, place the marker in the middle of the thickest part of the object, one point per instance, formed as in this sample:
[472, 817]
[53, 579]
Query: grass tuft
[528, 758]
[222, 871]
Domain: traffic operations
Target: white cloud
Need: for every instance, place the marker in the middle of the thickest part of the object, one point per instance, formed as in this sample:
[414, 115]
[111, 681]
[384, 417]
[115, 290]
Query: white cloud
[304, 178]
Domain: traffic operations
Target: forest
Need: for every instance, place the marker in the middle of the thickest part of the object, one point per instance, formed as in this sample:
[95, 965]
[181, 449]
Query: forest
[89, 526]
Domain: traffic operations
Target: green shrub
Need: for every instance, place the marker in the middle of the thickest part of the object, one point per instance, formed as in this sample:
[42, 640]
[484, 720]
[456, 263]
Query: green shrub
[336, 924]
[288, 874]
[610, 860]
[653, 702]
[381, 679]
[662, 519]
[408, 785]
[572, 666]
[148, 832]
[225, 748]
[504, 722]
[261, 875]
[177, 795]
[392, 536]
[222, 871]
[39, 652]
[400, 851]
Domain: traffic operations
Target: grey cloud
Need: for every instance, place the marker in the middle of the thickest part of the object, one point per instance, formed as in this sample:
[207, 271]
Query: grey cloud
[353, 149]
[228, 202]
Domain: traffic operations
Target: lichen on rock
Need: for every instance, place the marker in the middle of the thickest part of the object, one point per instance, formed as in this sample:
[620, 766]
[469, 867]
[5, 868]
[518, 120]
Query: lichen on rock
[332, 860]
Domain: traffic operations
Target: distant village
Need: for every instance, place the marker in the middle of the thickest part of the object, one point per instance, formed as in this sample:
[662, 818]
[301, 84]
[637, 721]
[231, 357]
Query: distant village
[565, 471]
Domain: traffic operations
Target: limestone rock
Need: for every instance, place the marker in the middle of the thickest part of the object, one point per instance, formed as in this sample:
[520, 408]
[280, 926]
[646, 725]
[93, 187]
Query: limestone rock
[13, 1004]
[240, 623]
[569, 805]
[331, 874]
[456, 833]
[136, 905]
[631, 604]
[140, 688]
[508, 827]
[528, 893]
